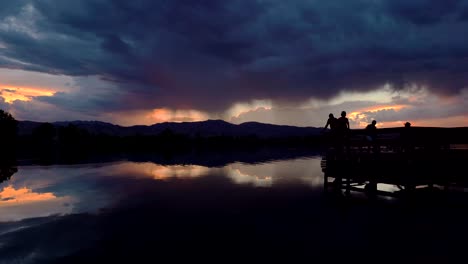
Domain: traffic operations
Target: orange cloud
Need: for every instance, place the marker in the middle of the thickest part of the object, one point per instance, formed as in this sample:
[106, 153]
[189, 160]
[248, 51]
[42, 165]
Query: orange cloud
[12, 93]
[167, 115]
[359, 114]
[383, 107]
[10, 195]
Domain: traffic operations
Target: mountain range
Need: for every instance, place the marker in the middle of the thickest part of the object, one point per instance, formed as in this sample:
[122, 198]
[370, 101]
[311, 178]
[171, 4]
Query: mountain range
[206, 128]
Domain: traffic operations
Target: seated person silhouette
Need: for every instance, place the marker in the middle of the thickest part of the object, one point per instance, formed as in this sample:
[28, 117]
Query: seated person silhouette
[371, 131]
[331, 136]
[406, 138]
[371, 134]
[331, 122]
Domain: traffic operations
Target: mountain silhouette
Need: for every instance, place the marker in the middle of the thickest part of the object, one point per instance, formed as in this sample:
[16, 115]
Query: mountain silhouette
[208, 128]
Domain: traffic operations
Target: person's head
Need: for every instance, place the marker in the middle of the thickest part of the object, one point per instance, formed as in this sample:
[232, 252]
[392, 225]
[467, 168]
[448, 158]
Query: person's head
[330, 115]
[374, 122]
[407, 124]
[343, 113]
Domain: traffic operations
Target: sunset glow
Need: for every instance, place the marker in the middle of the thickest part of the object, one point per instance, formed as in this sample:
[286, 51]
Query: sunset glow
[453, 121]
[12, 93]
[54, 70]
[360, 116]
[233, 130]
[18, 203]
[167, 115]
[176, 171]
[160, 172]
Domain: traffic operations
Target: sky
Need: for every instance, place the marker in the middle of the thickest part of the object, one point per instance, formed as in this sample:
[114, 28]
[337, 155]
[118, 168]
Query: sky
[142, 62]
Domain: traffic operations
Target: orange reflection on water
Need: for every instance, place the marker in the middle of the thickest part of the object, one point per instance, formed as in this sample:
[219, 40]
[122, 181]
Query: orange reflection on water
[161, 172]
[23, 203]
[259, 175]
[178, 171]
[10, 195]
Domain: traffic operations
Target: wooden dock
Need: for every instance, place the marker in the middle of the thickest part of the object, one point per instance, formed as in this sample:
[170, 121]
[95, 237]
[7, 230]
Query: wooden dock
[361, 166]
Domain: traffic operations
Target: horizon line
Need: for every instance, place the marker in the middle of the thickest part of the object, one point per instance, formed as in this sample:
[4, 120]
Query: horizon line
[180, 122]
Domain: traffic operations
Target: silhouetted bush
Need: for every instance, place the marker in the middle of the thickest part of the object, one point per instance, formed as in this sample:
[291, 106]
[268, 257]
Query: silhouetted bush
[7, 169]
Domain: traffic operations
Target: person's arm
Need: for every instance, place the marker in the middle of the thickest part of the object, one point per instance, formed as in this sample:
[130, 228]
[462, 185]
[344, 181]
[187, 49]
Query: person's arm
[347, 123]
[328, 123]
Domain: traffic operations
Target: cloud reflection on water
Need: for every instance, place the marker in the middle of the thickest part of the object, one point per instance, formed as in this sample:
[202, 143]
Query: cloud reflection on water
[159, 172]
[162, 211]
[303, 171]
[21, 203]
[63, 189]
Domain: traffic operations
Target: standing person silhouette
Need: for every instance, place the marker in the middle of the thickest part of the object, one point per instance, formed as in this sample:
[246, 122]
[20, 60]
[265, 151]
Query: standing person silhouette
[342, 127]
[343, 122]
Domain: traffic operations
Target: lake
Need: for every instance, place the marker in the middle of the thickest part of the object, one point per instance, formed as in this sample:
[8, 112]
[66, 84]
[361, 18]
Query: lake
[272, 210]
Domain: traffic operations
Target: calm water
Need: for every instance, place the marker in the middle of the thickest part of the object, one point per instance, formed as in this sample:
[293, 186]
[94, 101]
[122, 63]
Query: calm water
[130, 211]
[37, 191]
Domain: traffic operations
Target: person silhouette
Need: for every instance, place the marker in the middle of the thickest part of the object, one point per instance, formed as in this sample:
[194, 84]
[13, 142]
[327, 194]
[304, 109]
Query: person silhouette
[342, 128]
[371, 131]
[371, 134]
[342, 123]
[406, 138]
[331, 122]
[331, 136]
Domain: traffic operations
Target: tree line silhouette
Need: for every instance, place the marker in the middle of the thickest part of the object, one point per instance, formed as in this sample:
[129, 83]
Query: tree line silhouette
[8, 140]
[71, 143]
[50, 143]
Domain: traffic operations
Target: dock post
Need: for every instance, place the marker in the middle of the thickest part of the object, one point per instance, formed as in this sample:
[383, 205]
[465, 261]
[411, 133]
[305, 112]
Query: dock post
[325, 181]
[348, 185]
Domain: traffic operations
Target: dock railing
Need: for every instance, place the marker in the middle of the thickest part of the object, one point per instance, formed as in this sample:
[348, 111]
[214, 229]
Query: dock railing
[418, 160]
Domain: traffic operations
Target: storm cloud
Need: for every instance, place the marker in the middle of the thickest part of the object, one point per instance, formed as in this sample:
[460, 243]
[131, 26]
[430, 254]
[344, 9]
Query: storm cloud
[208, 55]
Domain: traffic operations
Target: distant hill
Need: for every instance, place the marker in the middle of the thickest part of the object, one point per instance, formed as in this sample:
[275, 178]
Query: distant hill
[207, 128]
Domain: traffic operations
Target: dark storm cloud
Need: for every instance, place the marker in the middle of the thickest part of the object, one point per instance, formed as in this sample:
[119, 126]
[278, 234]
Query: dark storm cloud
[87, 95]
[210, 54]
[9, 7]
[424, 12]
